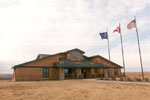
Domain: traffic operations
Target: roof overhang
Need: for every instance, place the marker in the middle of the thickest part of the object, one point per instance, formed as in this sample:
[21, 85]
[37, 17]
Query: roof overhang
[96, 56]
[64, 63]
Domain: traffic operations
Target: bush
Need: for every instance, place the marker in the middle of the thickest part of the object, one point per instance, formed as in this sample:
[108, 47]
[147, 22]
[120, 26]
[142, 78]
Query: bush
[102, 78]
[146, 79]
[113, 78]
[121, 78]
[138, 79]
[129, 79]
[106, 78]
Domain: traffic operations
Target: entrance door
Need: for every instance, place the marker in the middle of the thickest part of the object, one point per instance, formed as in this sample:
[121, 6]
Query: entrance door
[83, 71]
[68, 73]
[45, 72]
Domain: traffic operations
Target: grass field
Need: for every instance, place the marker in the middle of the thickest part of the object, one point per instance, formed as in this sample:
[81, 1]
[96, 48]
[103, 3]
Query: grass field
[73, 90]
[138, 74]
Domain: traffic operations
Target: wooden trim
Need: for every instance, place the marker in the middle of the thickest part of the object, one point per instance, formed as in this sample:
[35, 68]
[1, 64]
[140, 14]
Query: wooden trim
[35, 67]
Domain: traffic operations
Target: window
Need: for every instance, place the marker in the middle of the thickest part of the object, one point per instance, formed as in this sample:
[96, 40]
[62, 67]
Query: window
[45, 72]
[116, 71]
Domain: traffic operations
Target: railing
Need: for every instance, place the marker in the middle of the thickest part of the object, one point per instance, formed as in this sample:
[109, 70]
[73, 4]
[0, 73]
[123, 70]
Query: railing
[83, 76]
[70, 76]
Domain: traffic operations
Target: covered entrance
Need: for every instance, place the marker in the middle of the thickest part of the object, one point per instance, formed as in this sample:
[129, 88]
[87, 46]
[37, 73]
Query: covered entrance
[83, 72]
[69, 73]
[79, 69]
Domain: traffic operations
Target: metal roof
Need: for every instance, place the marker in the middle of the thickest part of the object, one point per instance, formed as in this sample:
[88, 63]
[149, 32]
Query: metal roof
[64, 63]
[85, 63]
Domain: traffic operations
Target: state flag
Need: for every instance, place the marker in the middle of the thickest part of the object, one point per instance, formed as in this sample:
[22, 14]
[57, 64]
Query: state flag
[104, 35]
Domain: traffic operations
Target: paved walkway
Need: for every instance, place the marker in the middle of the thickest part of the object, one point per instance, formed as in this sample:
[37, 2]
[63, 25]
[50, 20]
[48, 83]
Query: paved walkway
[124, 82]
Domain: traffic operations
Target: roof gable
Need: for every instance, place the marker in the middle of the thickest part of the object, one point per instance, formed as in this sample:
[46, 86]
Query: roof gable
[47, 56]
[96, 56]
[76, 49]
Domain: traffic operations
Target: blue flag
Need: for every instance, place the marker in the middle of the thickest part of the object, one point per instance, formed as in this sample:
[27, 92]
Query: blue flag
[104, 35]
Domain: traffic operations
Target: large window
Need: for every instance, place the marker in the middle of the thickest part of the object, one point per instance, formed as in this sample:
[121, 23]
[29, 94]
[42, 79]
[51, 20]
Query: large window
[45, 72]
[116, 71]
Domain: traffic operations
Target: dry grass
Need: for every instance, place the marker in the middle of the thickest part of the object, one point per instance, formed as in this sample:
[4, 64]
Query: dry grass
[137, 74]
[72, 90]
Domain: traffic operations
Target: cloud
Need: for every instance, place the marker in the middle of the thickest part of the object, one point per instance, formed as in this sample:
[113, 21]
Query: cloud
[6, 3]
[29, 27]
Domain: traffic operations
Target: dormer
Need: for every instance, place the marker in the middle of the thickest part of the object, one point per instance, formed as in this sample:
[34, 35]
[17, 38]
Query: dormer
[42, 56]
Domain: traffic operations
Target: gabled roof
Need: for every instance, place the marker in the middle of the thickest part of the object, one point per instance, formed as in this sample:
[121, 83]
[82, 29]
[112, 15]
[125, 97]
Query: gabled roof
[35, 60]
[47, 56]
[57, 64]
[105, 59]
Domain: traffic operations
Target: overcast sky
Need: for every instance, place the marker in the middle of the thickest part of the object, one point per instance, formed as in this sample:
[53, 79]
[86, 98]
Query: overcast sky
[30, 27]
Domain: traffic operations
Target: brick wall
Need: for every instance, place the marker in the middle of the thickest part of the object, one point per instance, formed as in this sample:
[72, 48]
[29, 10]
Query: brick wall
[28, 74]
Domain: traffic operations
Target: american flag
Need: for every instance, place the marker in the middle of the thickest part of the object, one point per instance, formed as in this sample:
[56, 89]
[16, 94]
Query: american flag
[132, 24]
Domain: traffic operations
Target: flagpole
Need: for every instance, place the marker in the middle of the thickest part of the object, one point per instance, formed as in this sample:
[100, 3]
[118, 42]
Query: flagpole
[108, 45]
[122, 50]
[139, 50]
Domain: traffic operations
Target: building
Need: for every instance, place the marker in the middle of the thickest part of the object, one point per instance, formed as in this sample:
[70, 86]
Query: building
[71, 64]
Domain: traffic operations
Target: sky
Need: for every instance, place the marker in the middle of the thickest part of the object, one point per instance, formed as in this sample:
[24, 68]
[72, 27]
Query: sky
[30, 27]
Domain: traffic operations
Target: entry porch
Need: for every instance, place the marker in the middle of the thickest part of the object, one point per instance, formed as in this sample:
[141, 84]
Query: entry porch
[87, 73]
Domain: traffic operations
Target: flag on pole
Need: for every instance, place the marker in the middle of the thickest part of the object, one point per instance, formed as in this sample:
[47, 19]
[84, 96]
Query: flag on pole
[132, 24]
[117, 29]
[104, 35]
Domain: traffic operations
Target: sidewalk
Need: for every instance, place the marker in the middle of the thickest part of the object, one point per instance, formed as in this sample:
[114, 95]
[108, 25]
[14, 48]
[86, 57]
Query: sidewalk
[124, 82]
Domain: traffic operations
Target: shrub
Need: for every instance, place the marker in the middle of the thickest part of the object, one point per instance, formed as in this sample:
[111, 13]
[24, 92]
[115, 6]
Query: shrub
[113, 78]
[138, 79]
[102, 78]
[129, 79]
[146, 79]
[106, 78]
[121, 78]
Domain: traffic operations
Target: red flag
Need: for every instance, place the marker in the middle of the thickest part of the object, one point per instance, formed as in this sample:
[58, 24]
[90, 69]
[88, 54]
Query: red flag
[117, 29]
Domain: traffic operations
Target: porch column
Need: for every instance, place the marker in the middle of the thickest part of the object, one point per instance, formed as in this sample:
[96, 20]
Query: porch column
[101, 72]
[78, 73]
[106, 72]
[111, 72]
[119, 71]
[92, 73]
[61, 73]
